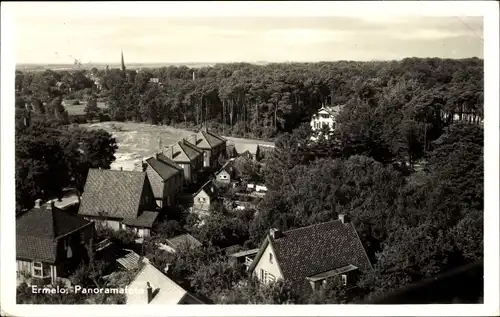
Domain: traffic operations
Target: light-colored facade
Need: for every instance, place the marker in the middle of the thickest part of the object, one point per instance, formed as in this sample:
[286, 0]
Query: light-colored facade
[267, 268]
[325, 117]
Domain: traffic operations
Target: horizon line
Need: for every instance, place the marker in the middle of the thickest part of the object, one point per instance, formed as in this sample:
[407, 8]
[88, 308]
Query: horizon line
[244, 62]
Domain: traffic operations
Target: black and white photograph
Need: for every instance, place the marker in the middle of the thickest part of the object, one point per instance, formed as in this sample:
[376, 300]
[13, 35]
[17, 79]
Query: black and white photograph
[180, 153]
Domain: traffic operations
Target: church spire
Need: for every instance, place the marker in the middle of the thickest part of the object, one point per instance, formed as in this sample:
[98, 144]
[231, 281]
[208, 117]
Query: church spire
[123, 62]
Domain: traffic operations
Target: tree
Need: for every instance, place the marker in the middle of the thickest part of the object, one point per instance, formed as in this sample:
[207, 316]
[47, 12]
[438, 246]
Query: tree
[252, 292]
[91, 109]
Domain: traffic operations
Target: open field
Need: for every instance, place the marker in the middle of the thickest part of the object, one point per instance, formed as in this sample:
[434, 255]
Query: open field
[139, 140]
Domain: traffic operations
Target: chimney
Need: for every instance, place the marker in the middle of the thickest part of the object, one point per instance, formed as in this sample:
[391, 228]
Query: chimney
[275, 233]
[149, 292]
[50, 204]
[343, 218]
[38, 203]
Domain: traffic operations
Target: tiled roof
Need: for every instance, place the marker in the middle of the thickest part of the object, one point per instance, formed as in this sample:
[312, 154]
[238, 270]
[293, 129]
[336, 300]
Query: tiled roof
[145, 219]
[163, 169]
[38, 229]
[182, 152]
[332, 110]
[130, 260]
[184, 240]
[161, 157]
[209, 188]
[165, 290]
[315, 249]
[112, 193]
[208, 140]
[191, 150]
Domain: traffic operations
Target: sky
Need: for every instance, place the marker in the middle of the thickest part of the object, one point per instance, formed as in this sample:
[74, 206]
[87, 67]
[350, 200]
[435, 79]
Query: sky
[58, 36]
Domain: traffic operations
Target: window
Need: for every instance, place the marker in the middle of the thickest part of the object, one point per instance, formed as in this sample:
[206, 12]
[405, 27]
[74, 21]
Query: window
[266, 277]
[37, 269]
[82, 237]
[270, 258]
[201, 199]
[344, 279]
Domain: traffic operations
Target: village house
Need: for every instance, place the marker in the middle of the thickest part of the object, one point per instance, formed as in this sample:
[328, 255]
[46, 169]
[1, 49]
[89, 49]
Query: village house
[119, 200]
[325, 117]
[205, 196]
[50, 243]
[308, 257]
[166, 178]
[213, 147]
[187, 156]
[180, 242]
[158, 288]
[226, 174]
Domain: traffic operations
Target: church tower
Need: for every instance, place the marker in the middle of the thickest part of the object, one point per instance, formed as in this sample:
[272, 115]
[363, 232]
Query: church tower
[123, 63]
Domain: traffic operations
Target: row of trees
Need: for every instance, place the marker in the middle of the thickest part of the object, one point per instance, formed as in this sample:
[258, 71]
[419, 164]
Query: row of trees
[414, 225]
[262, 101]
[51, 156]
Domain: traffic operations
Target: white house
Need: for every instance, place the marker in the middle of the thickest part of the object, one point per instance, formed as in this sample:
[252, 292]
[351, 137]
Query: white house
[326, 116]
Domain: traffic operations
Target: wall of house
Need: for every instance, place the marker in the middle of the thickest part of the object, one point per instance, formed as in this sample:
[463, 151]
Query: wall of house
[173, 186]
[148, 201]
[318, 121]
[26, 267]
[156, 183]
[223, 177]
[265, 264]
[187, 171]
[207, 158]
[201, 201]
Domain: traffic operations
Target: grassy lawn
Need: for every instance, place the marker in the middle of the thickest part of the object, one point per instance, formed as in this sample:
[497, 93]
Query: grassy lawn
[140, 140]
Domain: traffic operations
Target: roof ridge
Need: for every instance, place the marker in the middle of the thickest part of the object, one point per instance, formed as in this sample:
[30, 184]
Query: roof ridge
[112, 170]
[316, 224]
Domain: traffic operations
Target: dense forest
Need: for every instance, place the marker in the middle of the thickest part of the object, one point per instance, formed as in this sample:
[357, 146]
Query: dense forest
[262, 101]
[405, 162]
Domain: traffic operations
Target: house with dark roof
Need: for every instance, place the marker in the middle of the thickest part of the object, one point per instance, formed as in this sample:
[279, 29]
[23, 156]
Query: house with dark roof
[213, 147]
[188, 156]
[205, 196]
[180, 242]
[158, 289]
[166, 178]
[50, 243]
[310, 256]
[119, 200]
[226, 173]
